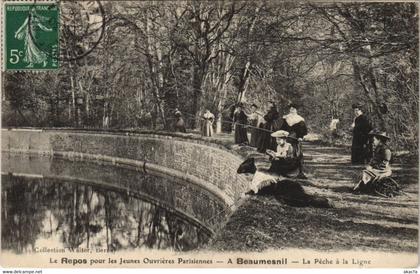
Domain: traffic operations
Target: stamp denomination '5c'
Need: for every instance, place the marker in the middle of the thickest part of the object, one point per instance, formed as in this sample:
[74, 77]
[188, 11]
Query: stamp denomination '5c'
[31, 36]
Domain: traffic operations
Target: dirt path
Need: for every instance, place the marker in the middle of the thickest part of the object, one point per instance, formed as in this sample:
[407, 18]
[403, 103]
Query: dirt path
[361, 222]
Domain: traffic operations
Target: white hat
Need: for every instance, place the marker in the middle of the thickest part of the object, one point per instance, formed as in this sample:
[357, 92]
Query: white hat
[280, 134]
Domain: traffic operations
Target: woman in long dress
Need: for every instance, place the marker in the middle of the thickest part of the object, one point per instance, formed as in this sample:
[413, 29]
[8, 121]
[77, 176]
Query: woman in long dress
[266, 141]
[179, 122]
[296, 126]
[254, 120]
[207, 124]
[284, 161]
[360, 147]
[241, 120]
[379, 166]
[27, 33]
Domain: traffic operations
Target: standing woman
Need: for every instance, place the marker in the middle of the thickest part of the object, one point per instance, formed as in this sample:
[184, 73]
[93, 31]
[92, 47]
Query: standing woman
[207, 124]
[179, 122]
[360, 143]
[254, 121]
[240, 119]
[266, 128]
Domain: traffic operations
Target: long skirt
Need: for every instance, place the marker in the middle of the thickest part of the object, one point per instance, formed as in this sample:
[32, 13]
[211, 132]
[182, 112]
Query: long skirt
[180, 126]
[254, 134]
[265, 140]
[360, 151]
[372, 174]
[285, 167]
[240, 134]
[298, 153]
[207, 129]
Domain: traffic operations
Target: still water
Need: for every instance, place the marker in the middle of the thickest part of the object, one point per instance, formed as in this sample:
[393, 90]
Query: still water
[63, 204]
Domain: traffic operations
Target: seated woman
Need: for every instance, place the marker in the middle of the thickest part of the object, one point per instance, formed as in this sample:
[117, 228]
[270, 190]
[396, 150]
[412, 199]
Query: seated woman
[284, 160]
[378, 167]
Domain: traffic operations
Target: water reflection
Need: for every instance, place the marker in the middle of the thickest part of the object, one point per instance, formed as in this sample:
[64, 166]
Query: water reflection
[186, 198]
[42, 212]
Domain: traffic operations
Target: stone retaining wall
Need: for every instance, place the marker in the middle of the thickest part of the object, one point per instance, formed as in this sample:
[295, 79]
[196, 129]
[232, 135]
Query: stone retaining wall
[200, 162]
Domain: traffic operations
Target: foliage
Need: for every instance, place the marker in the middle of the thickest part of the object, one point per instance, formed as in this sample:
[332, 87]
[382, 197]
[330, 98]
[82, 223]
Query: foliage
[158, 56]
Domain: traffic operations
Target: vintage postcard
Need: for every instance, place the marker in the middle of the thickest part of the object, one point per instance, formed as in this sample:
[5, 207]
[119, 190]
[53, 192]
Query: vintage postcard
[209, 134]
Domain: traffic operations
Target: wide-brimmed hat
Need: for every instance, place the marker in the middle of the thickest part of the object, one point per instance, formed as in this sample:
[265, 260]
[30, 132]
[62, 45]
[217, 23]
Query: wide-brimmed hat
[379, 133]
[280, 134]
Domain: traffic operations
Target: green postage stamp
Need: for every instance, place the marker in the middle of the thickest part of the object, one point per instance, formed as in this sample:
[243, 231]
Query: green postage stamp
[31, 36]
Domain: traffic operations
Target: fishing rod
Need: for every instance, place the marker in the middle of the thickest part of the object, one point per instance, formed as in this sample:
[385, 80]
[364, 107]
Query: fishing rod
[229, 122]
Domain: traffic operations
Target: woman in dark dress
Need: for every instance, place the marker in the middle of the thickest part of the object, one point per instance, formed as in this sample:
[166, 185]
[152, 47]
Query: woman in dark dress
[360, 143]
[295, 125]
[241, 120]
[266, 128]
[179, 125]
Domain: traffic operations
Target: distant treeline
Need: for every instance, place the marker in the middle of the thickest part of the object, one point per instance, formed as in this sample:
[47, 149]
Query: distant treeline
[158, 56]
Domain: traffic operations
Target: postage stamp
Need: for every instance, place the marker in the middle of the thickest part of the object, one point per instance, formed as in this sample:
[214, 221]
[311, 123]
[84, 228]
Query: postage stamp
[31, 36]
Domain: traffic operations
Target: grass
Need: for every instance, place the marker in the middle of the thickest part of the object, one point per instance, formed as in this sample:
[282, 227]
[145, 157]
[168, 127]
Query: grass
[358, 222]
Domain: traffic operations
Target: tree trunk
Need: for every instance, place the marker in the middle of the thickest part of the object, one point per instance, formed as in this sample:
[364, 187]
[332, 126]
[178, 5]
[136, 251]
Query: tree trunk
[73, 99]
[155, 75]
[369, 87]
[243, 81]
[87, 107]
[197, 107]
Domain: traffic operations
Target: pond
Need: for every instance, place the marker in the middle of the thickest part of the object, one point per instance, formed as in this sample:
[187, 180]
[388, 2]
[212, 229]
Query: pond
[55, 203]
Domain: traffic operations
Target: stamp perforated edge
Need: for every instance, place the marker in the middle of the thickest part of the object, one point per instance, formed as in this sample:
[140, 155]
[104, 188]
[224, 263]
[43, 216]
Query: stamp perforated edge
[3, 36]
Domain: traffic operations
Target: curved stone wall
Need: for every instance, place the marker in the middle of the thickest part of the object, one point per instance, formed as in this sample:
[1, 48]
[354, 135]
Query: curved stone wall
[209, 165]
[191, 203]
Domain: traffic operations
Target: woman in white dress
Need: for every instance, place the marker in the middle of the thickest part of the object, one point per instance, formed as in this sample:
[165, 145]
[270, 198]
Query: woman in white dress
[207, 124]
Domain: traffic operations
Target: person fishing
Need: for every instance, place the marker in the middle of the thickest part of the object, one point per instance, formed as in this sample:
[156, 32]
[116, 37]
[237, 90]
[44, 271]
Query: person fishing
[266, 128]
[379, 166]
[296, 126]
[240, 119]
[284, 160]
[254, 120]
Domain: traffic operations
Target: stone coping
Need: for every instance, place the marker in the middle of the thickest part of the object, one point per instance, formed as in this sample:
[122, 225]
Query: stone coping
[152, 167]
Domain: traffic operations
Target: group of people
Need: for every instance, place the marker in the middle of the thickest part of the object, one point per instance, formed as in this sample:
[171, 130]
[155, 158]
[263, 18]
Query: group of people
[206, 124]
[282, 142]
[279, 138]
[369, 145]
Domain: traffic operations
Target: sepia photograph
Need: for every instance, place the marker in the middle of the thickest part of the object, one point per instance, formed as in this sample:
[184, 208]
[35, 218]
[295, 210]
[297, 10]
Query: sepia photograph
[209, 134]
